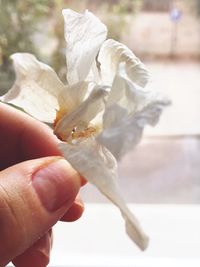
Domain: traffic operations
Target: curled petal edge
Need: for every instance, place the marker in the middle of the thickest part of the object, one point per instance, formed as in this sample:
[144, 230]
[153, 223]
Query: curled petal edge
[35, 81]
[97, 165]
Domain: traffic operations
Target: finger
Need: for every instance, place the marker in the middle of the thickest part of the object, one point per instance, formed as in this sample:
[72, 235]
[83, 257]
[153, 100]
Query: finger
[83, 181]
[28, 138]
[22, 137]
[34, 195]
[37, 255]
[74, 212]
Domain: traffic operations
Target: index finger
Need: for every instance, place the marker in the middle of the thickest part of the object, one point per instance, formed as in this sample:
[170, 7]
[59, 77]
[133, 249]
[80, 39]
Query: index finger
[23, 138]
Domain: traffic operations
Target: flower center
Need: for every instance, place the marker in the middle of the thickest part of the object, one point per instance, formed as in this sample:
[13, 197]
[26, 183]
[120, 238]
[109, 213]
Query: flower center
[89, 131]
[81, 130]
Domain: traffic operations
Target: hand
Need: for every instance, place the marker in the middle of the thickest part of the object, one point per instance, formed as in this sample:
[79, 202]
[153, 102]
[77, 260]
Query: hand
[37, 188]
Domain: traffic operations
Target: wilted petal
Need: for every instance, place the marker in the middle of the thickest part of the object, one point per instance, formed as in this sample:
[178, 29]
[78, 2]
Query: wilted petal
[99, 167]
[122, 131]
[126, 93]
[111, 54]
[36, 88]
[73, 96]
[84, 34]
[80, 118]
[129, 109]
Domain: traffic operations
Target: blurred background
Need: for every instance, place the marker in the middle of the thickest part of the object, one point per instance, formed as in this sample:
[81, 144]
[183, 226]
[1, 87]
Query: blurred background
[165, 34]
[165, 167]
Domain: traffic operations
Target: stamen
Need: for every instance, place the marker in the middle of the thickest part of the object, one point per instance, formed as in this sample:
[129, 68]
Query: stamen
[83, 134]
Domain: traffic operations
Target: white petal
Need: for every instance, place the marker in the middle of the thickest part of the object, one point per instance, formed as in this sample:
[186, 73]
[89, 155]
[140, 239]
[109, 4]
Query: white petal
[129, 109]
[126, 93]
[36, 88]
[82, 115]
[73, 96]
[125, 131]
[99, 167]
[84, 34]
[111, 54]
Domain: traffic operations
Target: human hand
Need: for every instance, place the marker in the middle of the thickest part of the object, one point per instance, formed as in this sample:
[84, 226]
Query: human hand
[37, 188]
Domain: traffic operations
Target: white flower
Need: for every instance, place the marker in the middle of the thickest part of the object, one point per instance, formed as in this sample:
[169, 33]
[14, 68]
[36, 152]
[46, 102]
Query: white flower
[100, 114]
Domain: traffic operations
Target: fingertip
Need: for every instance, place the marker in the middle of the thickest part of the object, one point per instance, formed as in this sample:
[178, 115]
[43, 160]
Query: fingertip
[74, 213]
[56, 184]
[83, 180]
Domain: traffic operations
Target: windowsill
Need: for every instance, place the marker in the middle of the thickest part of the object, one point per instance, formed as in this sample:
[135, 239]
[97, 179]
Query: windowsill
[98, 239]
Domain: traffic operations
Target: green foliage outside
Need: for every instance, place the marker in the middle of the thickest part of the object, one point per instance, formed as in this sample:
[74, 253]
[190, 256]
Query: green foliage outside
[20, 21]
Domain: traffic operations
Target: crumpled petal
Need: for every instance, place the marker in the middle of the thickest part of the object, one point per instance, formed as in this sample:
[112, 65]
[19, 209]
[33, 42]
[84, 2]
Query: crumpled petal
[99, 167]
[125, 131]
[84, 34]
[73, 95]
[81, 118]
[111, 54]
[125, 92]
[128, 110]
[36, 88]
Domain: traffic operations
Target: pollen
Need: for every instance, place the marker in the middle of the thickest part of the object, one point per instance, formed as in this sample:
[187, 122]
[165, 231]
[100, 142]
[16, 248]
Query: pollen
[83, 134]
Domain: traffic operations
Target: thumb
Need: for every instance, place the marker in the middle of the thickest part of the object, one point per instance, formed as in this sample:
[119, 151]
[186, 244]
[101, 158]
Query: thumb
[34, 195]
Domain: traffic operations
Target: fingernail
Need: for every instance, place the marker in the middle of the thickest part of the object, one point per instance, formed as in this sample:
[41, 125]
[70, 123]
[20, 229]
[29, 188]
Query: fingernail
[56, 184]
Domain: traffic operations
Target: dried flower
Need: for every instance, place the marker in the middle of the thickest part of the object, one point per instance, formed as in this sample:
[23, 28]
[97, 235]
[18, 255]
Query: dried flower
[100, 114]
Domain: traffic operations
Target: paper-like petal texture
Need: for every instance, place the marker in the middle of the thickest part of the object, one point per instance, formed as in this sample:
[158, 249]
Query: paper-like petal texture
[124, 131]
[36, 88]
[128, 110]
[102, 111]
[111, 54]
[73, 95]
[81, 117]
[84, 34]
[99, 167]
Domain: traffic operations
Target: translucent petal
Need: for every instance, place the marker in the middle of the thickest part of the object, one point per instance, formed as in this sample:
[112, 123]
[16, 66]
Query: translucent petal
[81, 117]
[126, 93]
[111, 54]
[84, 34]
[125, 131]
[99, 167]
[73, 96]
[128, 110]
[36, 88]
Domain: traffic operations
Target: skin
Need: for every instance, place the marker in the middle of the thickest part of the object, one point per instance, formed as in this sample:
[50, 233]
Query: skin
[27, 145]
